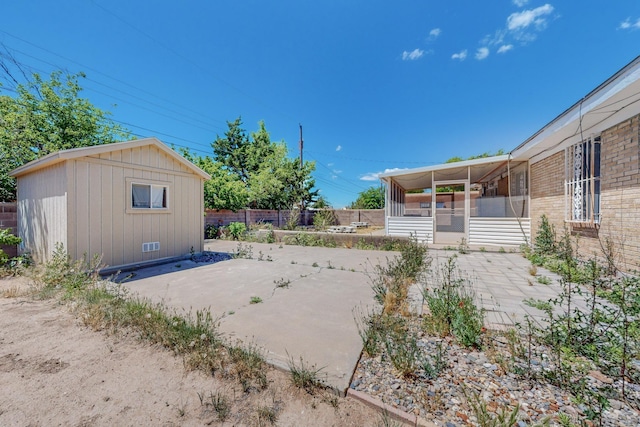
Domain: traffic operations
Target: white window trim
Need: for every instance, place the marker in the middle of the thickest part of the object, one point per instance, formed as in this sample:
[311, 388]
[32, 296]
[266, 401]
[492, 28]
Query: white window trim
[130, 182]
[579, 183]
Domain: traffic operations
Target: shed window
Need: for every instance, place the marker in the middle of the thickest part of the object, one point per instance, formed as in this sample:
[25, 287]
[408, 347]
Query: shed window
[146, 196]
[583, 181]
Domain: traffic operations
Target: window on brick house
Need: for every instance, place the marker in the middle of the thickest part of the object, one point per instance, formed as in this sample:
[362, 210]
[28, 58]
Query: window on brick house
[582, 183]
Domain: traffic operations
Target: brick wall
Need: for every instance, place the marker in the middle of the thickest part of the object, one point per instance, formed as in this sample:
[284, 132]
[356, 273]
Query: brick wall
[547, 191]
[620, 195]
[9, 219]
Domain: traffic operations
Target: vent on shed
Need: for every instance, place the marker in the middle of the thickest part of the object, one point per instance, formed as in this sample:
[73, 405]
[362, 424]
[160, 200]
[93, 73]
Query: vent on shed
[150, 246]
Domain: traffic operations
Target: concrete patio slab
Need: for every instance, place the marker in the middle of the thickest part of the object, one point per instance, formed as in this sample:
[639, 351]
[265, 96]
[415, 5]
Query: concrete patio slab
[309, 294]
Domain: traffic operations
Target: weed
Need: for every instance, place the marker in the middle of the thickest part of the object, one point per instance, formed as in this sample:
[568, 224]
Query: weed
[293, 262]
[266, 414]
[322, 219]
[255, 300]
[220, 405]
[544, 280]
[293, 220]
[304, 376]
[533, 270]
[501, 250]
[237, 230]
[329, 266]
[463, 247]
[12, 292]
[282, 283]
[482, 249]
[315, 264]
[248, 366]
[386, 421]
[452, 308]
[243, 251]
[231, 312]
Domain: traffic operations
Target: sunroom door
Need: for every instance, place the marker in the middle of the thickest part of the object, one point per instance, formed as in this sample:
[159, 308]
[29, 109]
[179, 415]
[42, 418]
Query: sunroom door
[452, 212]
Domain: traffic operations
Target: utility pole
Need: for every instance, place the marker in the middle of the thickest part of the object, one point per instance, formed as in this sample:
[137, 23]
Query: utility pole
[301, 183]
[301, 146]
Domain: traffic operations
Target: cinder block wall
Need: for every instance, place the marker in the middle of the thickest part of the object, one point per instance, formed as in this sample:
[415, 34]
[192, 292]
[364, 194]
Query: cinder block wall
[9, 219]
[620, 195]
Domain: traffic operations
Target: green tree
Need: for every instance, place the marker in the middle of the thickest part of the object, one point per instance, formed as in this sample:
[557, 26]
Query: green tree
[271, 179]
[455, 159]
[371, 198]
[46, 116]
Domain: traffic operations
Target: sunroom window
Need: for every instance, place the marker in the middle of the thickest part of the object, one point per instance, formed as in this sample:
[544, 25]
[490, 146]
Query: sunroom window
[147, 196]
[582, 184]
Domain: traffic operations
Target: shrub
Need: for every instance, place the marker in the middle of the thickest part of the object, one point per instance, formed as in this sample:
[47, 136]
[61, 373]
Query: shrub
[322, 219]
[237, 229]
[452, 307]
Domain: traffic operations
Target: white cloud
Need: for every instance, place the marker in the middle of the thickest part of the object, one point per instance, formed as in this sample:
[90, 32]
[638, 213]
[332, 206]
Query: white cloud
[505, 48]
[330, 165]
[520, 3]
[413, 55]
[339, 148]
[462, 55]
[628, 24]
[433, 34]
[482, 53]
[336, 171]
[374, 176]
[521, 20]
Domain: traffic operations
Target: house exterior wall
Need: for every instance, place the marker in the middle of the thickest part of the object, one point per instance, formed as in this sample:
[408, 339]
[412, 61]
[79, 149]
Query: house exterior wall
[101, 220]
[42, 211]
[620, 195]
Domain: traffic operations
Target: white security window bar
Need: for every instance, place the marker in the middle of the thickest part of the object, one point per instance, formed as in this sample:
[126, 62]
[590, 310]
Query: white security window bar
[582, 183]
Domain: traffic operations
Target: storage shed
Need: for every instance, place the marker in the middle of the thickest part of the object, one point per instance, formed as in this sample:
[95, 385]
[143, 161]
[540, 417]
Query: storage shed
[132, 202]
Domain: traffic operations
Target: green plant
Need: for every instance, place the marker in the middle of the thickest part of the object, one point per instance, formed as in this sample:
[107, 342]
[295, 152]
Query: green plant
[452, 307]
[482, 249]
[8, 239]
[544, 280]
[463, 247]
[282, 283]
[237, 230]
[220, 405]
[545, 240]
[315, 264]
[243, 251]
[304, 376]
[324, 218]
[211, 231]
[255, 300]
[293, 220]
[248, 366]
[267, 414]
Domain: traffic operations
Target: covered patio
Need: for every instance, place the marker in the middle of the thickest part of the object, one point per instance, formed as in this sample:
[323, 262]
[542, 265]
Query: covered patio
[483, 201]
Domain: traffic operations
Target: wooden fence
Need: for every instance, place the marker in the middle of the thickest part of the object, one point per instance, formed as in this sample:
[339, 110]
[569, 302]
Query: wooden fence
[9, 219]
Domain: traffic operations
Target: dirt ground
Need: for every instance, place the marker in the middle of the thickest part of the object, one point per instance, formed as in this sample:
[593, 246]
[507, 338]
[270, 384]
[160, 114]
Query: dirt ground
[55, 371]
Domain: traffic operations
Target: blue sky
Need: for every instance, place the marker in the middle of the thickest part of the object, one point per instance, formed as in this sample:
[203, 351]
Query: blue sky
[376, 85]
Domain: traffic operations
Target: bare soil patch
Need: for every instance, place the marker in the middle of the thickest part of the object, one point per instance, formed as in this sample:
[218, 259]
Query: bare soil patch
[55, 371]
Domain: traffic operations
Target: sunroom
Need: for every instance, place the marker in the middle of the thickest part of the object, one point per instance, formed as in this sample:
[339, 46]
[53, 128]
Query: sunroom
[480, 202]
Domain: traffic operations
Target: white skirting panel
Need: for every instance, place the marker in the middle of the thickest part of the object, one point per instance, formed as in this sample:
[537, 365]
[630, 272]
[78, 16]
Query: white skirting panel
[421, 227]
[499, 231]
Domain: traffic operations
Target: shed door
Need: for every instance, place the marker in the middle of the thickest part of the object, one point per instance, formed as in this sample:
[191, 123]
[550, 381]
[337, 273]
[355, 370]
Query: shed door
[451, 213]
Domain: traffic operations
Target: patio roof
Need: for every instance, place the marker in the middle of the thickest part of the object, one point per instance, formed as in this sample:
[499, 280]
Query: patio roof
[612, 102]
[477, 170]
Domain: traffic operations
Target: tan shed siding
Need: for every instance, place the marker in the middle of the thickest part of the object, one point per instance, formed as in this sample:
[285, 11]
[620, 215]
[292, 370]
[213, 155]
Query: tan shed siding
[42, 211]
[103, 225]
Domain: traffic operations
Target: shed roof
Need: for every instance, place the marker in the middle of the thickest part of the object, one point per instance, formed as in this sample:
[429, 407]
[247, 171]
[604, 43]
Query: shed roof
[74, 153]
